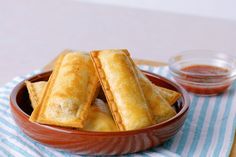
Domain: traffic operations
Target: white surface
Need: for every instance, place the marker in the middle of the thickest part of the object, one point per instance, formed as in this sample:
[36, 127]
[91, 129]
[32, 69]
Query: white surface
[206, 8]
[32, 32]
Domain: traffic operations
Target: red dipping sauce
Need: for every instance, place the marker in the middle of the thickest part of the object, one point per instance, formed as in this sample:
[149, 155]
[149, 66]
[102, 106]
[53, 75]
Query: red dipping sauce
[205, 70]
[204, 79]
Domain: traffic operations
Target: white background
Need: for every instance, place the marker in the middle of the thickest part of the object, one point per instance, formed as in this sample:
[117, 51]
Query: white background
[32, 32]
[207, 8]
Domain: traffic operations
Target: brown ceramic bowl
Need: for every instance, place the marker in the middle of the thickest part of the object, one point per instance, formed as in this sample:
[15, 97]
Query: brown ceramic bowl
[97, 143]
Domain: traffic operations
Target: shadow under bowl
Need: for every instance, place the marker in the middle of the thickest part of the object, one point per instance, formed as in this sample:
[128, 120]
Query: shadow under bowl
[97, 143]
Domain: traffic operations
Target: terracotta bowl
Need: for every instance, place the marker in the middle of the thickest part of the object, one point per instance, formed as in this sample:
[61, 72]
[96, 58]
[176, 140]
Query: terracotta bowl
[97, 143]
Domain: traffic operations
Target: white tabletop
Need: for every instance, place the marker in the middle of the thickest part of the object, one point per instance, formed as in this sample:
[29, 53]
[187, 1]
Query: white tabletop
[32, 32]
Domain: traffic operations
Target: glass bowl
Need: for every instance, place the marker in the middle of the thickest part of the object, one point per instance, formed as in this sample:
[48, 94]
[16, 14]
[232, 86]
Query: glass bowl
[203, 72]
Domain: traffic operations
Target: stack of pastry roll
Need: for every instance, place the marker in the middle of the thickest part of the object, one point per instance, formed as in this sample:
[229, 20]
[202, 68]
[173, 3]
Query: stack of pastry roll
[69, 98]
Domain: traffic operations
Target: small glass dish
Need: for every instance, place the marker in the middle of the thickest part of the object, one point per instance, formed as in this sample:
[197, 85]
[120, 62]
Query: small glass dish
[203, 72]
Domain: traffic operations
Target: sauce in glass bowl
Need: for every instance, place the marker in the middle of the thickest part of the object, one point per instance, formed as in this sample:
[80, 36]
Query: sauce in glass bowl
[207, 71]
[203, 72]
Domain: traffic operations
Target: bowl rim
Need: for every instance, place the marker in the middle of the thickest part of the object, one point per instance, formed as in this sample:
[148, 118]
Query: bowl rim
[185, 108]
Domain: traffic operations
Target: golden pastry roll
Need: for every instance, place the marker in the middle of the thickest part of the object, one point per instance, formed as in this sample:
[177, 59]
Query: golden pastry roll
[71, 89]
[122, 89]
[35, 91]
[161, 109]
[99, 117]
[171, 96]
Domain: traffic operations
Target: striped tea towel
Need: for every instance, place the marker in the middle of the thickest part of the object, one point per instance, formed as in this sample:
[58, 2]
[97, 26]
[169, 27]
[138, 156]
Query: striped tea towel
[208, 130]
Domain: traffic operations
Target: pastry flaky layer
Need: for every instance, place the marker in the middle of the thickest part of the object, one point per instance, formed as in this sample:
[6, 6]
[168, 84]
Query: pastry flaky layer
[122, 89]
[160, 107]
[69, 92]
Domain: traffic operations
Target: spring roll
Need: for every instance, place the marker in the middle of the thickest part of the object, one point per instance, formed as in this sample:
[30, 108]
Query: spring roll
[122, 89]
[71, 89]
[160, 107]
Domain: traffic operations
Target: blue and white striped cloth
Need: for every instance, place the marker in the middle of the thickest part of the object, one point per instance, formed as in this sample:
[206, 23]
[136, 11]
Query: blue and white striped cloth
[208, 130]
